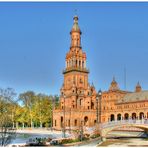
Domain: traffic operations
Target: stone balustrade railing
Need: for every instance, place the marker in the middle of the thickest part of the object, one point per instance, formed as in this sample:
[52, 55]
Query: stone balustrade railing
[124, 122]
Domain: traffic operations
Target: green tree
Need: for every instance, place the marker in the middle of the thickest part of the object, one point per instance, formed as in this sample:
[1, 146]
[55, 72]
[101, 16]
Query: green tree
[7, 101]
[28, 99]
[42, 109]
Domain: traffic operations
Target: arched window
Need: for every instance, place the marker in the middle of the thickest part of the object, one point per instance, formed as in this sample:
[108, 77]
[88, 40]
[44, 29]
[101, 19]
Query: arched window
[133, 115]
[76, 63]
[75, 122]
[141, 115]
[85, 120]
[61, 121]
[95, 122]
[126, 116]
[119, 117]
[92, 105]
[112, 117]
[83, 64]
[79, 63]
[80, 101]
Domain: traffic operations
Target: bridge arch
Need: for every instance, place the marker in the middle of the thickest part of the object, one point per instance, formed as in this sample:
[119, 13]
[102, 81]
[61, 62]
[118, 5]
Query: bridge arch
[108, 129]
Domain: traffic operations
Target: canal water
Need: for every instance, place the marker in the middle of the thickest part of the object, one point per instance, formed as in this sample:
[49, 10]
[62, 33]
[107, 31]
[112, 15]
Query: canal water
[125, 139]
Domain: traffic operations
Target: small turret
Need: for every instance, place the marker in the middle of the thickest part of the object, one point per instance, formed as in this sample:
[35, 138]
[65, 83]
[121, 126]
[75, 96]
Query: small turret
[114, 85]
[138, 87]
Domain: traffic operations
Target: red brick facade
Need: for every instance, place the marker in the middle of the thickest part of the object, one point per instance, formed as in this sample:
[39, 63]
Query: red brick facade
[79, 105]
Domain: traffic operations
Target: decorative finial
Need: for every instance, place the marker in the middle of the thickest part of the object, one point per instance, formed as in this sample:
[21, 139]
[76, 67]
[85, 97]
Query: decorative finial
[75, 17]
[113, 78]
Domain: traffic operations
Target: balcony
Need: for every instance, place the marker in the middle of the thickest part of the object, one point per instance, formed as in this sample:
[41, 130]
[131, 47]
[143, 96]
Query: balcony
[79, 69]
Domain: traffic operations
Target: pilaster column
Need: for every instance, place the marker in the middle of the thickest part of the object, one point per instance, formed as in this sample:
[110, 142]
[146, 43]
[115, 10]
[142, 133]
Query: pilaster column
[77, 63]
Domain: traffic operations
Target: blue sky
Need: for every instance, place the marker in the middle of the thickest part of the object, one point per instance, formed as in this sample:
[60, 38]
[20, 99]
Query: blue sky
[34, 39]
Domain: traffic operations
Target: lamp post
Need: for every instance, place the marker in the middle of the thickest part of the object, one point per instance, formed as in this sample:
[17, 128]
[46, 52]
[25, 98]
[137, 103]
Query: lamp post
[81, 131]
[97, 113]
[70, 121]
[99, 97]
[64, 117]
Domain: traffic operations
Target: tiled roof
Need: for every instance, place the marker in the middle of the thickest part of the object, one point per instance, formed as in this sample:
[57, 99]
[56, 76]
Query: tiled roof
[135, 96]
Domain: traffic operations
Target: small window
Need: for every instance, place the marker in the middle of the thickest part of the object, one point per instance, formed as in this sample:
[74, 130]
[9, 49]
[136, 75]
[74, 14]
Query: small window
[95, 122]
[75, 122]
[55, 123]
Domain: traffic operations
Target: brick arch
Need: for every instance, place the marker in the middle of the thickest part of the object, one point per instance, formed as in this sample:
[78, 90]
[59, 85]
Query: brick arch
[105, 131]
[86, 120]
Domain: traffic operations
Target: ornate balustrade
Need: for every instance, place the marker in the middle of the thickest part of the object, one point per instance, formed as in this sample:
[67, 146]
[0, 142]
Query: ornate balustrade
[124, 122]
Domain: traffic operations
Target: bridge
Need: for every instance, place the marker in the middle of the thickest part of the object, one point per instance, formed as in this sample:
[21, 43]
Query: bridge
[107, 127]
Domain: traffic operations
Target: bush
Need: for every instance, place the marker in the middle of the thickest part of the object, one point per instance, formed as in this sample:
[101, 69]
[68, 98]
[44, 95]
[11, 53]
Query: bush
[86, 135]
[64, 141]
[46, 125]
[95, 136]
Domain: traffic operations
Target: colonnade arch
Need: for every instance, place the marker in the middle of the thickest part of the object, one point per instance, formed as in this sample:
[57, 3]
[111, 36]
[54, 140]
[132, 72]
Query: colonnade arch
[127, 116]
[119, 117]
[141, 115]
[134, 116]
[112, 117]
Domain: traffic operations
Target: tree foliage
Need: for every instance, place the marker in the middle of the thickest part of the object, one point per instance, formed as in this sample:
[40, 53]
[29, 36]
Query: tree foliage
[7, 113]
[36, 110]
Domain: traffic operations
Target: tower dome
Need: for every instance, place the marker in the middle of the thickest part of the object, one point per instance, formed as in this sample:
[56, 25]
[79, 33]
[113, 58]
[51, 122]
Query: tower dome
[75, 27]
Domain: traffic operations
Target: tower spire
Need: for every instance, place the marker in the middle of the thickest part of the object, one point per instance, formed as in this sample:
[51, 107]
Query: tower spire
[75, 27]
[75, 34]
[138, 87]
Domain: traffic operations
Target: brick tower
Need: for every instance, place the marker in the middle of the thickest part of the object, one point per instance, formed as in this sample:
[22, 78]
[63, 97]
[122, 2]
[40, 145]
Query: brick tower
[78, 97]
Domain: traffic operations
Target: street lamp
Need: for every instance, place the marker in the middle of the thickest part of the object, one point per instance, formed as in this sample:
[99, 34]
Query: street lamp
[99, 98]
[81, 131]
[70, 121]
[64, 116]
[97, 113]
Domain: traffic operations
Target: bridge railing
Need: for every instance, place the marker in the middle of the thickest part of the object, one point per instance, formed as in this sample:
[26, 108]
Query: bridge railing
[119, 122]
